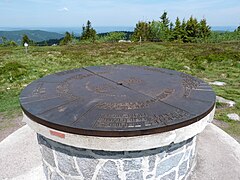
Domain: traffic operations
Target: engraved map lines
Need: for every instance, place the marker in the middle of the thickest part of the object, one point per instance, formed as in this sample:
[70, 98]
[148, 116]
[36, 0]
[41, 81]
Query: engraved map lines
[139, 120]
[120, 117]
[189, 83]
[135, 105]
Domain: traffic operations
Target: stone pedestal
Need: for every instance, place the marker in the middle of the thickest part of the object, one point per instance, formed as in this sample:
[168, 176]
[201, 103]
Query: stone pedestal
[65, 162]
[164, 156]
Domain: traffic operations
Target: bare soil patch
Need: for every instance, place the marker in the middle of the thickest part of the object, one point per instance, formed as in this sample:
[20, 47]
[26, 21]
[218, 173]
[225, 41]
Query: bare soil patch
[9, 125]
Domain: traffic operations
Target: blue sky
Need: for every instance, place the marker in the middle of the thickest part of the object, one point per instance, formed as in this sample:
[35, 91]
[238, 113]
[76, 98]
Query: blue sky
[74, 13]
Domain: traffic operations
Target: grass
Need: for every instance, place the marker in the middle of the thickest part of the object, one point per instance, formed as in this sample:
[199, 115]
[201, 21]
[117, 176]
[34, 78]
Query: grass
[210, 62]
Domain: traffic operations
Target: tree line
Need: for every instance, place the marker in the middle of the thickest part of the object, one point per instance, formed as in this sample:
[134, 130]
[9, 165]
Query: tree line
[89, 34]
[164, 30]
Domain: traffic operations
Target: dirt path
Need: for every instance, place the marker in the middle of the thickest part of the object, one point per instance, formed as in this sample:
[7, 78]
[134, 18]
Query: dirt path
[8, 126]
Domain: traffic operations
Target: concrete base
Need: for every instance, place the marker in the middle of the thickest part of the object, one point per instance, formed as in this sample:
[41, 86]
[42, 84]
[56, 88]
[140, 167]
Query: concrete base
[218, 156]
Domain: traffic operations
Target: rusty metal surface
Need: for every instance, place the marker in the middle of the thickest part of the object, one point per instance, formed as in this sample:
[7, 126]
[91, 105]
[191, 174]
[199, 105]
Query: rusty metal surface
[117, 100]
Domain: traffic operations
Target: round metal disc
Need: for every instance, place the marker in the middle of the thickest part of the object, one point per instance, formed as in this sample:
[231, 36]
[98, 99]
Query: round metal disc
[115, 101]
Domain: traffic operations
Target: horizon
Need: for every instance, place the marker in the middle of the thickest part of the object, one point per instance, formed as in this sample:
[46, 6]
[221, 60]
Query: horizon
[72, 13]
[99, 29]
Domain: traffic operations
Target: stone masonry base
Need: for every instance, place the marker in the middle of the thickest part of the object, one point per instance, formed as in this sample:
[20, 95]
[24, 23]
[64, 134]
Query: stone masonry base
[63, 162]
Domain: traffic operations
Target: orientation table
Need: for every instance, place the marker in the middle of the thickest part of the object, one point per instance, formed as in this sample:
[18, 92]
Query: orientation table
[118, 121]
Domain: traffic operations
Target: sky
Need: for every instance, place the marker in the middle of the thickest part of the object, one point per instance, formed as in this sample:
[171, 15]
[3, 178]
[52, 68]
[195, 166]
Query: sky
[75, 13]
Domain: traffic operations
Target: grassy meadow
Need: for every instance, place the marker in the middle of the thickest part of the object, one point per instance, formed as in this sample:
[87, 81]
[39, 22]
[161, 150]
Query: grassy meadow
[208, 61]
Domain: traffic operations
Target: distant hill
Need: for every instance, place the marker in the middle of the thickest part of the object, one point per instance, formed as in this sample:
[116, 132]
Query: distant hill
[50, 42]
[35, 35]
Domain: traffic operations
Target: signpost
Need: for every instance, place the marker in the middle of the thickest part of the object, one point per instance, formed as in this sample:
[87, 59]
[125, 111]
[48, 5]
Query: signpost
[26, 47]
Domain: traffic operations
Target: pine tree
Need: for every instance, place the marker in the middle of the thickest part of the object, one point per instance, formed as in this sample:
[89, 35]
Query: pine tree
[192, 29]
[165, 19]
[67, 39]
[184, 36]
[177, 31]
[171, 26]
[204, 29]
[141, 31]
[25, 39]
[166, 34]
[88, 33]
[238, 29]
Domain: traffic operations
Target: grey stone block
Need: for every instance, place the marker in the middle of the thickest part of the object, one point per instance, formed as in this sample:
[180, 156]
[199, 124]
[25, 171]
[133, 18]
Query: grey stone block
[161, 155]
[182, 169]
[46, 150]
[149, 176]
[109, 171]
[56, 176]
[192, 154]
[46, 171]
[78, 151]
[151, 162]
[186, 155]
[189, 142]
[175, 148]
[132, 164]
[87, 166]
[73, 178]
[108, 153]
[47, 154]
[192, 158]
[168, 164]
[170, 176]
[66, 162]
[134, 175]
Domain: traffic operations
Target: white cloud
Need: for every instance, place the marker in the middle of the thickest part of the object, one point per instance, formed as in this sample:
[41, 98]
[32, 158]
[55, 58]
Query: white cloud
[64, 9]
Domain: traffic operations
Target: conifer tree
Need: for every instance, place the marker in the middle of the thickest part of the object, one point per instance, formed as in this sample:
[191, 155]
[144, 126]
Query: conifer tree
[177, 31]
[171, 26]
[238, 29]
[184, 36]
[204, 29]
[141, 31]
[25, 39]
[166, 33]
[67, 39]
[165, 19]
[192, 29]
[88, 32]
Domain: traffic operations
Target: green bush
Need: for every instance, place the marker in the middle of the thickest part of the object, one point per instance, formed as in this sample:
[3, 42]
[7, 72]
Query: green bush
[112, 37]
[12, 70]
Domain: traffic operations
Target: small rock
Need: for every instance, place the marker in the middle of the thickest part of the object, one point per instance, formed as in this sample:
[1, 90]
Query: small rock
[186, 67]
[222, 100]
[218, 83]
[124, 41]
[233, 116]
